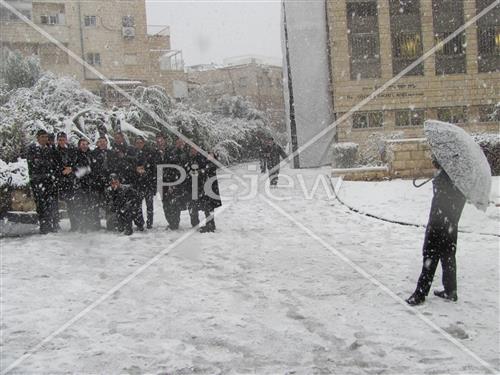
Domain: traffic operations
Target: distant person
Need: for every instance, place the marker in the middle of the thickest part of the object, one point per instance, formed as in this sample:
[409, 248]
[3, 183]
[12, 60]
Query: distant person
[440, 242]
[42, 170]
[270, 154]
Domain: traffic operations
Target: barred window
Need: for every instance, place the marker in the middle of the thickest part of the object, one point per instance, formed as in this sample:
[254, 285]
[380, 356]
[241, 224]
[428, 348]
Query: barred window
[410, 117]
[94, 58]
[488, 36]
[404, 7]
[455, 46]
[90, 21]
[454, 115]
[362, 120]
[407, 46]
[128, 21]
[448, 16]
[364, 44]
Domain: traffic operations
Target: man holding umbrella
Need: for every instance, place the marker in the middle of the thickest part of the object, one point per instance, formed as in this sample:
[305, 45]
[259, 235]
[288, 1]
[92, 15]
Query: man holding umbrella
[463, 173]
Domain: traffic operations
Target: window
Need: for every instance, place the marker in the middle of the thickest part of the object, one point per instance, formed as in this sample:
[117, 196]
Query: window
[364, 44]
[406, 35]
[407, 46]
[448, 16]
[404, 7]
[363, 120]
[52, 19]
[454, 115]
[90, 21]
[94, 58]
[454, 47]
[489, 113]
[128, 21]
[243, 81]
[488, 37]
[410, 117]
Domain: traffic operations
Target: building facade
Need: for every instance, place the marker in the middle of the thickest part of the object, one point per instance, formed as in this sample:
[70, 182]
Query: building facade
[373, 41]
[251, 78]
[110, 35]
[370, 42]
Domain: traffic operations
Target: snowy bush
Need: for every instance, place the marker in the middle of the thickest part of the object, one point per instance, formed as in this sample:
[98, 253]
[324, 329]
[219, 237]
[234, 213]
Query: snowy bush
[345, 154]
[14, 174]
[18, 71]
[490, 144]
[375, 152]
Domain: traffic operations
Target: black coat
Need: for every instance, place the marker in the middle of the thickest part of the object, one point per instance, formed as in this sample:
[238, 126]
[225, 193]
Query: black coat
[446, 209]
[123, 159]
[209, 186]
[178, 195]
[270, 156]
[42, 168]
[101, 166]
[146, 182]
[66, 157]
[123, 201]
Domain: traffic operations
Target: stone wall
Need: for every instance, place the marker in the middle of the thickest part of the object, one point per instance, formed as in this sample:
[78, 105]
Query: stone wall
[409, 158]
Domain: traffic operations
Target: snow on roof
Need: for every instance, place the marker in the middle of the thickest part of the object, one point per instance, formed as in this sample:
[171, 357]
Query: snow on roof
[122, 82]
[404, 140]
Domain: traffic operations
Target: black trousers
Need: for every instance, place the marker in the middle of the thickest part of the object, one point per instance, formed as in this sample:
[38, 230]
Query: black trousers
[194, 215]
[440, 245]
[84, 216]
[46, 207]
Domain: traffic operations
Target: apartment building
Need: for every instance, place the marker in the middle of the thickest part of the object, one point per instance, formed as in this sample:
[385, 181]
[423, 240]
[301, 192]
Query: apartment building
[111, 36]
[258, 80]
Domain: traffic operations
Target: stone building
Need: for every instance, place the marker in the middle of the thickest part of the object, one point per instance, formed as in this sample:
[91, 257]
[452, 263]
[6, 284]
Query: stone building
[370, 42]
[252, 78]
[112, 36]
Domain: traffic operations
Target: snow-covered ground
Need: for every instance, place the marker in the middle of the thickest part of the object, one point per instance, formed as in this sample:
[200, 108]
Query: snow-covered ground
[258, 296]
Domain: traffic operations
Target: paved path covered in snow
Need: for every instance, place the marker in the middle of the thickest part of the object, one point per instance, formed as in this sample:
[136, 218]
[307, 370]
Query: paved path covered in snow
[259, 296]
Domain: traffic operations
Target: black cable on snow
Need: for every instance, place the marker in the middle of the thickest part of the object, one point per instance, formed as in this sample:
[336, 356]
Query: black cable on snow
[359, 212]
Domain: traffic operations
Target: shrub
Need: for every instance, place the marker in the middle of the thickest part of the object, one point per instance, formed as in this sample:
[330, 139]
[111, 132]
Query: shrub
[345, 155]
[490, 144]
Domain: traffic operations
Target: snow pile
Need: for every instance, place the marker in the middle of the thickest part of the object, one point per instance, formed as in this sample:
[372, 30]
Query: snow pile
[14, 174]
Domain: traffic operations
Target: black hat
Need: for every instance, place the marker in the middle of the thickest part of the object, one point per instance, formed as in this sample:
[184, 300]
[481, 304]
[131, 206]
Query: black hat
[52, 136]
[61, 135]
[41, 132]
[113, 176]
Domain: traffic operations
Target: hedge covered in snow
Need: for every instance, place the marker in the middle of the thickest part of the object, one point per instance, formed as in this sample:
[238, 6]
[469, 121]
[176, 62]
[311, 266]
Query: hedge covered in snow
[490, 144]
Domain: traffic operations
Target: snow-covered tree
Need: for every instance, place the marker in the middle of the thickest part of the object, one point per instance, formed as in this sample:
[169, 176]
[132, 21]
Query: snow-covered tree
[18, 71]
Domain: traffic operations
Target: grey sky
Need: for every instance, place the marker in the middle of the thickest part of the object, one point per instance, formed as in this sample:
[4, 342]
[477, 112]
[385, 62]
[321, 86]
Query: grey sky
[209, 31]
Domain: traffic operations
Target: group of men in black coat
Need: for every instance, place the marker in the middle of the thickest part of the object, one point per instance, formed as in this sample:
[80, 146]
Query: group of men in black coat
[117, 180]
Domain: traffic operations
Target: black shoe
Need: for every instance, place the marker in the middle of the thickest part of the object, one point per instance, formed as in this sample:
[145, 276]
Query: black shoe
[207, 229]
[415, 299]
[149, 226]
[172, 227]
[140, 228]
[442, 294]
